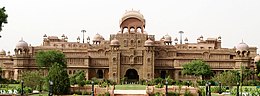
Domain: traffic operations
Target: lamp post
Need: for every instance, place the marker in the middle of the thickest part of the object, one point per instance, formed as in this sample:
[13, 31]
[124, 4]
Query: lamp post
[83, 31]
[22, 88]
[181, 32]
[220, 89]
[237, 89]
[166, 82]
[207, 89]
[92, 91]
[188, 82]
[51, 88]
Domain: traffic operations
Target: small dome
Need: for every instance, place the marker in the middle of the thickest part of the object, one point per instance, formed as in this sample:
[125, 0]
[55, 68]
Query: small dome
[98, 37]
[186, 39]
[176, 39]
[2, 52]
[167, 38]
[148, 42]
[114, 42]
[242, 47]
[257, 58]
[22, 44]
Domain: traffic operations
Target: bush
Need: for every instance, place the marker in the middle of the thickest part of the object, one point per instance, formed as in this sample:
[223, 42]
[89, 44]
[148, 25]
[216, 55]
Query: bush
[251, 83]
[187, 83]
[202, 91]
[27, 90]
[96, 81]
[215, 89]
[178, 82]
[107, 94]
[158, 94]
[201, 82]
[187, 93]
[158, 80]
[142, 82]
[173, 94]
[159, 85]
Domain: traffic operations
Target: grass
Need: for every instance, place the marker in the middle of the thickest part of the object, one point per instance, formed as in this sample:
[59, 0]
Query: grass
[45, 94]
[130, 87]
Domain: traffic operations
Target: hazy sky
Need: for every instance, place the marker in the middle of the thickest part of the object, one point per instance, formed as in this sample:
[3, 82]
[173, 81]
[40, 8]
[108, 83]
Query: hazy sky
[233, 20]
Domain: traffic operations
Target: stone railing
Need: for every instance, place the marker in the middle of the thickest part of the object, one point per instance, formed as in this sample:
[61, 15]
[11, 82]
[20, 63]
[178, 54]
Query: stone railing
[177, 89]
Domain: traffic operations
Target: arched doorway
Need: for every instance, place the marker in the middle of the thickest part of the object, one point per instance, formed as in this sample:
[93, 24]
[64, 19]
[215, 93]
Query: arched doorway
[132, 75]
[100, 74]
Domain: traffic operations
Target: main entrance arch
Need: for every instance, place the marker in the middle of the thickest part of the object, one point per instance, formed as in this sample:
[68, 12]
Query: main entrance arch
[132, 75]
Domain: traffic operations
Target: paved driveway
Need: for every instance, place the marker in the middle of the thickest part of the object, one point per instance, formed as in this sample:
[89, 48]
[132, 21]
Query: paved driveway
[129, 91]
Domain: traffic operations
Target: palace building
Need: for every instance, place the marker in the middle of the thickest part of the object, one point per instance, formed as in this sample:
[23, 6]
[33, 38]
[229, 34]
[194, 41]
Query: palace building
[131, 52]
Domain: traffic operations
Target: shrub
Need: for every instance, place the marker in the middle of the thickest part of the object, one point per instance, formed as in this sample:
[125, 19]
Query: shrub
[160, 85]
[173, 94]
[187, 83]
[202, 91]
[142, 82]
[27, 90]
[107, 94]
[201, 82]
[158, 80]
[158, 94]
[178, 82]
[187, 93]
[96, 81]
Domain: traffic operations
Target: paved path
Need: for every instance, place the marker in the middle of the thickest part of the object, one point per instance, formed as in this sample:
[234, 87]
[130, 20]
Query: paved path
[129, 91]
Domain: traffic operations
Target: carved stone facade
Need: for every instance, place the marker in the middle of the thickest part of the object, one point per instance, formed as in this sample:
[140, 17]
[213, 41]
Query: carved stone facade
[130, 53]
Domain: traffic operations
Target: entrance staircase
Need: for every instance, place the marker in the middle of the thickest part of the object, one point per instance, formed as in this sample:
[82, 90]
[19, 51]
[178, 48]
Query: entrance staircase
[130, 93]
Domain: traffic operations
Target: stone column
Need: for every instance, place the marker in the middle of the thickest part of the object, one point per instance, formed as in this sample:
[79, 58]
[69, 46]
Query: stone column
[6, 74]
[86, 73]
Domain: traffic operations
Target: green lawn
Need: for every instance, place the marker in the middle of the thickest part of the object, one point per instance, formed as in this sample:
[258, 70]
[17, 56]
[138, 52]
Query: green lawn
[130, 87]
[40, 94]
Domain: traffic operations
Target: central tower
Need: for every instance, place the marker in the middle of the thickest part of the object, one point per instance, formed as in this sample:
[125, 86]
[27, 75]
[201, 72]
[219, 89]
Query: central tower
[132, 50]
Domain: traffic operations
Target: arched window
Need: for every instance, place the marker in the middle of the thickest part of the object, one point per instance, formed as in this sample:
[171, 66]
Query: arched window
[139, 29]
[163, 74]
[132, 29]
[100, 74]
[125, 30]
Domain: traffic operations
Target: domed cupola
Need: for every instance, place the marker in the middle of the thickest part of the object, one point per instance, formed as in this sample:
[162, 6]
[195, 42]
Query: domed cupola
[132, 22]
[2, 53]
[22, 44]
[257, 58]
[97, 39]
[148, 43]
[242, 49]
[21, 47]
[167, 38]
[114, 42]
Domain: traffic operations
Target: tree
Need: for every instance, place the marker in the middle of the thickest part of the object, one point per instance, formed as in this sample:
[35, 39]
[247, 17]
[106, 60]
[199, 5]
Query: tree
[247, 73]
[48, 58]
[78, 78]
[3, 17]
[228, 78]
[60, 78]
[33, 79]
[197, 68]
[257, 67]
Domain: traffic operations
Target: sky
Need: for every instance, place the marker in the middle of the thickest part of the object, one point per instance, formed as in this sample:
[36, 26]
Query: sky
[233, 20]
